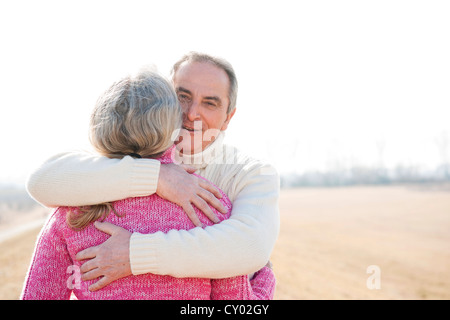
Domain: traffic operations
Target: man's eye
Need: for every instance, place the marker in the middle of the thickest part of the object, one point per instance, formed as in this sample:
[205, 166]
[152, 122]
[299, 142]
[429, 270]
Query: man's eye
[210, 104]
[183, 98]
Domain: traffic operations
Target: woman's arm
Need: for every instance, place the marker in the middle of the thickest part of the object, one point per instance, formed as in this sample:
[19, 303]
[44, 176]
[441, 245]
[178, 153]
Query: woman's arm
[261, 287]
[47, 277]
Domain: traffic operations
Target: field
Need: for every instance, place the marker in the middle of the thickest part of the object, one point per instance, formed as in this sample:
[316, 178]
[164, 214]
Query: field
[329, 239]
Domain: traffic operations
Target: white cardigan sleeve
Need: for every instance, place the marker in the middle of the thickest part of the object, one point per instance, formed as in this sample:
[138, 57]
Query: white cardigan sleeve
[77, 179]
[240, 245]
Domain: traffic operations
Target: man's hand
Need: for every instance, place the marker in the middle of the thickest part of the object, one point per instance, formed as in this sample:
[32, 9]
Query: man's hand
[178, 185]
[110, 260]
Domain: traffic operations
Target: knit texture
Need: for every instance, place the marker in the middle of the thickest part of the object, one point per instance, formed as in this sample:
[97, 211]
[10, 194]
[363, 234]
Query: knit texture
[249, 235]
[77, 178]
[54, 271]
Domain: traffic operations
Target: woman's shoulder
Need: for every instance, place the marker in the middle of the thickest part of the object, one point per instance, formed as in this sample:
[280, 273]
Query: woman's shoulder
[225, 199]
[56, 221]
[149, 214]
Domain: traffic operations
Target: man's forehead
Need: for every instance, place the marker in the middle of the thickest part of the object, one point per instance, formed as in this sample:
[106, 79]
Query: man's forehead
[202, 77]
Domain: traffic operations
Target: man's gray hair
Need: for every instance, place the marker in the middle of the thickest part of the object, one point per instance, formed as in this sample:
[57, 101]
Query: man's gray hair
[221, 63]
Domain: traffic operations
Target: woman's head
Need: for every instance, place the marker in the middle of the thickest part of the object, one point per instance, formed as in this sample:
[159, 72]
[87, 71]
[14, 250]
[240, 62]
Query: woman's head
[137, 114]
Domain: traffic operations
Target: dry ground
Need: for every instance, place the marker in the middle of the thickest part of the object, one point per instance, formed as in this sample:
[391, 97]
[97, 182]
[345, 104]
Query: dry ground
[15, 256]
[328, 239]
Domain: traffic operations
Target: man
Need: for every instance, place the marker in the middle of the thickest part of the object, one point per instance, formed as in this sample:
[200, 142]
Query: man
[207, 89]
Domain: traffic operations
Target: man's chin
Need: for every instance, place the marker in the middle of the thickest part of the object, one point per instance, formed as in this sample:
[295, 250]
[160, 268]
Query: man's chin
[190, 142]
[189, 148]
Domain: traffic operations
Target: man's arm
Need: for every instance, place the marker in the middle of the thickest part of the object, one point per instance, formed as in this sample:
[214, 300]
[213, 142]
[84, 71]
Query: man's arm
[79, 179]
[248, 236]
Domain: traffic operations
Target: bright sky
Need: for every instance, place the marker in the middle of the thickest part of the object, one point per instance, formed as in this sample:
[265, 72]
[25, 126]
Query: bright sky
[320, 82]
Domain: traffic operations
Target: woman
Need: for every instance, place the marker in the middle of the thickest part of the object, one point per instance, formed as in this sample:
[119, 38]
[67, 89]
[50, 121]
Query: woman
[135, 117]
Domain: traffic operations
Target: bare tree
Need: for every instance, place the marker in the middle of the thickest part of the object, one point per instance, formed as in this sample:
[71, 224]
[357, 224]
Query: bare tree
[381, 169]
[381, 144]
[443, 145]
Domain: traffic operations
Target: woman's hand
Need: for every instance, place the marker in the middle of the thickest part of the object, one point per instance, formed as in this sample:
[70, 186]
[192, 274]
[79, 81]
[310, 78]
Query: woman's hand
[177, 184]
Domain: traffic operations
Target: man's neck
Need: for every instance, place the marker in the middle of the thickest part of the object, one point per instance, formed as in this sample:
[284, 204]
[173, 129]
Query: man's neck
[201, 159]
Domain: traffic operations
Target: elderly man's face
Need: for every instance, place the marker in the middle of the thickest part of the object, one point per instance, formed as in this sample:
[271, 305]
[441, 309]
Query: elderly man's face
[202, 90]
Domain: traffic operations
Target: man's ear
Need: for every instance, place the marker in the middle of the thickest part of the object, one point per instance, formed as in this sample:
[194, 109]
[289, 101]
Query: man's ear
[227, 121]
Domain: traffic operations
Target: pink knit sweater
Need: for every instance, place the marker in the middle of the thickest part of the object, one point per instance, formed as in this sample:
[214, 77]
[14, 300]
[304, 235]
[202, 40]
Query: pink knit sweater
[54, 271]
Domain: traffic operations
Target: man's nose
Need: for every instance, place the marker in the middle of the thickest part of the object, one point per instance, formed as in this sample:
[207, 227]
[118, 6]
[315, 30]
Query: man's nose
[192, 112]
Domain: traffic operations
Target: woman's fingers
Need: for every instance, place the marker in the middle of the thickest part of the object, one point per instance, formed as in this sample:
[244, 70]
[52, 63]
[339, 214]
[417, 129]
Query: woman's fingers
[88, 266]
[104, 281]
[211, 200]
[189, 169]
[210, 187]
[88, 253]
[91, 275]
[177, 185]
[192, 215]
[203, 206]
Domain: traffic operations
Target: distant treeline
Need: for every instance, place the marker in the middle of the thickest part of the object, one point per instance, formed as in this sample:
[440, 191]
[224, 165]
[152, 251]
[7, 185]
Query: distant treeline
[366, 176]
[15, 198]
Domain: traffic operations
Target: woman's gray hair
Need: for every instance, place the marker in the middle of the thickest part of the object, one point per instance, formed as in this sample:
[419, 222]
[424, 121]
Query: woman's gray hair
[218, 62]
[137, 114]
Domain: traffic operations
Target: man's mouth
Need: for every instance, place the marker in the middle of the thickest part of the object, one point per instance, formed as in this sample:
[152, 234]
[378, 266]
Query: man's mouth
[190, 129]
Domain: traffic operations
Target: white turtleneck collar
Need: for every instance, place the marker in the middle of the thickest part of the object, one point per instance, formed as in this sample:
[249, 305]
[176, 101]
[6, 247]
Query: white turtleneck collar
[201, 159]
